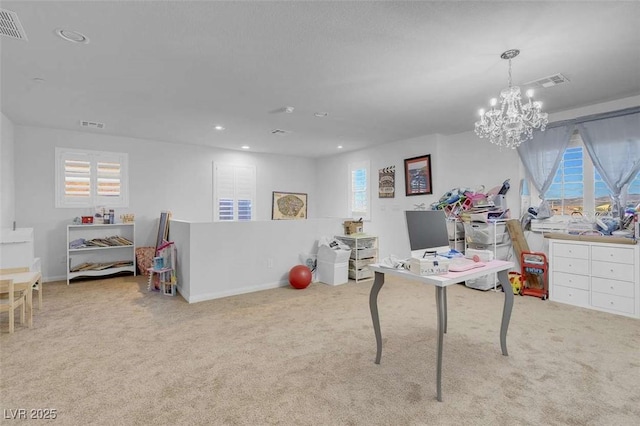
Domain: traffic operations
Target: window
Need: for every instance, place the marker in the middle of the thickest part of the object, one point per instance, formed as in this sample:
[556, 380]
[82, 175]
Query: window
[578, 187]
[91, 178]
[234, 192]
[359, 193]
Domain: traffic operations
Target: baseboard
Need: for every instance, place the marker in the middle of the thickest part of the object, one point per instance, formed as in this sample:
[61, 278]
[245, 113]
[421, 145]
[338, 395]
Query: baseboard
[234, 292]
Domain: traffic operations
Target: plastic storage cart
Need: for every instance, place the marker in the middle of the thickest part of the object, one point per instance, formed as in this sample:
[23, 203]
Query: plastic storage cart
[535, 263]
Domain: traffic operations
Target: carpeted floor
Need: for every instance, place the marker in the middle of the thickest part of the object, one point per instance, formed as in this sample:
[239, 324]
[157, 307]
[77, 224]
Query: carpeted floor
[108, 352]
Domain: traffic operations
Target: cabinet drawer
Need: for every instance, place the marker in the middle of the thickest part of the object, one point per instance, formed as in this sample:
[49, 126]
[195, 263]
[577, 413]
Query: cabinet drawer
[571, 296]
[363, 253]
[564, 279]
[607, 286]
[612, 302]
[360, 274]
[614, 271]
[359, 264]
[613, 254]
[571, 250]
[570, 265]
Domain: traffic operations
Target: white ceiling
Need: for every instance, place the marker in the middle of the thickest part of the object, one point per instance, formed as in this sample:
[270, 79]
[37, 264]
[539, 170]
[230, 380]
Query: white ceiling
[384, 71]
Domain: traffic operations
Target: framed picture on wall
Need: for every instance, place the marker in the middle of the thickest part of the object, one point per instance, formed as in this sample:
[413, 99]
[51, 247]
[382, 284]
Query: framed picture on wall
[288, 205]
[417, 175]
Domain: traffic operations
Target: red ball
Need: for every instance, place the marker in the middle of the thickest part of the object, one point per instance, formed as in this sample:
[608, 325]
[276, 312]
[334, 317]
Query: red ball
[300, 276]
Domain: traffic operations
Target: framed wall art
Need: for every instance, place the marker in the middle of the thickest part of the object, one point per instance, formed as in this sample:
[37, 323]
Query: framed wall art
[417, 175]
[288, 206]
[387, 182]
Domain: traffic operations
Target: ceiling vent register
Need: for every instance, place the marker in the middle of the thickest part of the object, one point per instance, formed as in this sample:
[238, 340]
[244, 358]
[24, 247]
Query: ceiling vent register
[550, 81]
[92, 124]
[10, 25]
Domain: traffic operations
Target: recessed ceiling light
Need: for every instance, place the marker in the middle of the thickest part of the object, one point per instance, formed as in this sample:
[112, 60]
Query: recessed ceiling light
[321, 114]
[288, 109]
[219, 127]
[339, 146]
[72, 36]
[245, 147]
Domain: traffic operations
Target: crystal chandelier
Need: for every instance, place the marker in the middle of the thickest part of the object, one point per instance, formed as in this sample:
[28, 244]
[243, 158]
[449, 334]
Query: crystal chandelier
[512, 123]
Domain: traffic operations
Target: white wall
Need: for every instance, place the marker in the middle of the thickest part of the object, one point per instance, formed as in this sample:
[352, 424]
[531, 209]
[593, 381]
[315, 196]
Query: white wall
[162, 176]
[458, 161]
[178, 178]
[227, 258]
[461, 160]
[7, 186]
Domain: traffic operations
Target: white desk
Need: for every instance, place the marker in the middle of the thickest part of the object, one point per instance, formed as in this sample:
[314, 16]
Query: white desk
[440, 282]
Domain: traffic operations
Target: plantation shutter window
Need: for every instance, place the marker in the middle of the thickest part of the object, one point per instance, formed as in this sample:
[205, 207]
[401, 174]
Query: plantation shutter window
[234, 192]
[91, 178]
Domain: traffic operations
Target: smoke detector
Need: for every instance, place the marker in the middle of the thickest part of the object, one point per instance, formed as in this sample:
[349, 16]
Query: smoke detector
[10, 25]
[92, 124]
[550, 81]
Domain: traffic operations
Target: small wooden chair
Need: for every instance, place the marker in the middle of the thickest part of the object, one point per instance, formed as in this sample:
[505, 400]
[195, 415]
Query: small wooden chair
[37, 286]
[13, 301]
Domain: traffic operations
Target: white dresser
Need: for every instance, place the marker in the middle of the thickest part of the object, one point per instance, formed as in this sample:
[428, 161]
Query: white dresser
[595, 275]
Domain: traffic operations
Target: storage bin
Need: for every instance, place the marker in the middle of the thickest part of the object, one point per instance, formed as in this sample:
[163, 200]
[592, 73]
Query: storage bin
[361, 274]
[455, 229]
[363, 253]
[333, 273]
[485, 233]
[482, 283]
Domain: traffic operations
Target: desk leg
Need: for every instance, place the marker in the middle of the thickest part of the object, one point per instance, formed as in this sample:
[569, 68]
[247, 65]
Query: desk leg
[441, 297]
[29, 306]
[444, 295]
[506, 311]
[373, 306]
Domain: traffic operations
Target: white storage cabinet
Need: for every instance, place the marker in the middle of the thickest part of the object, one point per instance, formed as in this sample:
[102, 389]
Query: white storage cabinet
[364, 252]
[595, 275]
[107, 260]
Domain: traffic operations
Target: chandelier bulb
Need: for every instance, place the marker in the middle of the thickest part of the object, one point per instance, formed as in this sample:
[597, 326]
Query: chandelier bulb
[493, 102]
[481, 112]
[530, 93]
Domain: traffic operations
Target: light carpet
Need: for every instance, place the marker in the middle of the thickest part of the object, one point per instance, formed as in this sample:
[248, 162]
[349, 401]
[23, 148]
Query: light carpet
[109, 352]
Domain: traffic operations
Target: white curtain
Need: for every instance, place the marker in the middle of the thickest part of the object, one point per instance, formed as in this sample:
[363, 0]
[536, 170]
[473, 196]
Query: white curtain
[613, 143]
[541, 155]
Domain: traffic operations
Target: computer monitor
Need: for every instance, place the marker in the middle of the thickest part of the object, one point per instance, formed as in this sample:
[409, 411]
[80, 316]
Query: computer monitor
[427, 231]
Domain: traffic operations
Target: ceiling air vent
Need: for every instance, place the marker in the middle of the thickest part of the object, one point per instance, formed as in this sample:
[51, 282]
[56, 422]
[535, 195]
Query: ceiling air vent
[10, 25]
[280, 132]
[92, 124]
[552, 80]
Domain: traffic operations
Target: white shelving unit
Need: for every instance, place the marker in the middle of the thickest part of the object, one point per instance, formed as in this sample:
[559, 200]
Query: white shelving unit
[455, 230]
[100, 255]
[492, 236]
[364, 252]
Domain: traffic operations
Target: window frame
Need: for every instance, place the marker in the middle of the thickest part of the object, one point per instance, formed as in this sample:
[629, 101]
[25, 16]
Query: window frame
[352, 191]
[589, 181]
[62, 200]
[233, 174]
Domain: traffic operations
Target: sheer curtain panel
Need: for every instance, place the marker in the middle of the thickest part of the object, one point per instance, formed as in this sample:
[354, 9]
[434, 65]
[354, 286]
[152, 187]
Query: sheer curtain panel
[542, 154]
[613, 143]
